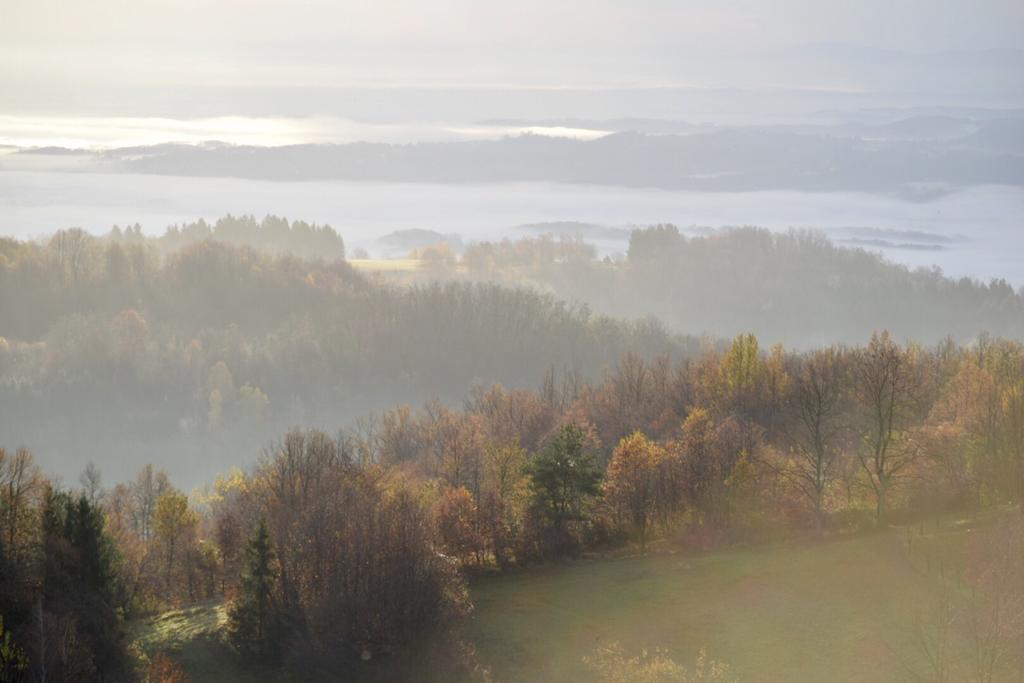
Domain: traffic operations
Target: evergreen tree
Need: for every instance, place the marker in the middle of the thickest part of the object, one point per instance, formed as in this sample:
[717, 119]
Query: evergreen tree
[562, 477]
[79, 585]
[251, 616]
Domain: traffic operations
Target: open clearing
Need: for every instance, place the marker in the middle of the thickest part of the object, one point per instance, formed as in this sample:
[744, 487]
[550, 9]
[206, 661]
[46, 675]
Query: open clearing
[404, 265]
[193, 636]
[835, 610]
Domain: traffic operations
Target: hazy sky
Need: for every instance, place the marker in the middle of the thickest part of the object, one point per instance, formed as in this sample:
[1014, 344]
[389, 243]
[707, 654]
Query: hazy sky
[92, 49]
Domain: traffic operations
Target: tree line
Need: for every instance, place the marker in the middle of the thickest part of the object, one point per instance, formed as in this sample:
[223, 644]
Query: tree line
[111, 346]
[338, 550]
[797, 288]
[734, 444]
[272, 234]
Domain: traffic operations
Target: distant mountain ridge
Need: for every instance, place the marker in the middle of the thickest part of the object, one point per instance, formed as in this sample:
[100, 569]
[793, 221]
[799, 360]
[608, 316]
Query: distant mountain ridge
[915, 158]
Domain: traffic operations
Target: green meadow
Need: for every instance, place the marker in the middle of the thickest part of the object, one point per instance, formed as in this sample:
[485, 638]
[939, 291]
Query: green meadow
[836, 610]
[847, 609]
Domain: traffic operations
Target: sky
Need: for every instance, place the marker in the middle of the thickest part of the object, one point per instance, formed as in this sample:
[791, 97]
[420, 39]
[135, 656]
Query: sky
[108, 73]
[153, 57]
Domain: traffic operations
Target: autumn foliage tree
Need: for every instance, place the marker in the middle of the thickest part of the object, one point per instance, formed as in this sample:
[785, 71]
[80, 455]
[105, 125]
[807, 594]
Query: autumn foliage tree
[174, 522]
[455, 516]
[630, 486]
[504, 500]
[357, 569]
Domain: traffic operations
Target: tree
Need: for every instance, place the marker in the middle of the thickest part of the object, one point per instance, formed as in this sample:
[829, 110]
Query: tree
[455, 442]
[172, 520]
[228, 536]
[968, 414]
[1013, 428]
[455, 518]
[399, 435]
[632, 480]
[209, 561]
[740, 377]
[252, 404]
[20, 485]
[816, 427]
[703, 469]
[501, 506]
[995, 608]
[92, 482]
[163, 669]
[563, 477]
[653, 243]
[13, 661]
[147, 488]
[72, 250]
[250, 614]
[79, 577]
[887, 387]
[220, 391]
[504, 470]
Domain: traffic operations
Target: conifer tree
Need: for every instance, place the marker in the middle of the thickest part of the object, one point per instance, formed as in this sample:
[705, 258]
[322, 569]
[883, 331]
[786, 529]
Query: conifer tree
[563, 476]
[79, 582]
[251, 613]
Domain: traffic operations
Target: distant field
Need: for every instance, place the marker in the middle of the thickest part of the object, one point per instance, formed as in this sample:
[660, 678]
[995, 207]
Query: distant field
[841, 610]
[375, 265]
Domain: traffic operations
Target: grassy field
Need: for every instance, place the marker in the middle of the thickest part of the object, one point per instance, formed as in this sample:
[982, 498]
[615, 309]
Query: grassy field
[835, 610]
[193, 637]
[838, 610]
[386, 265]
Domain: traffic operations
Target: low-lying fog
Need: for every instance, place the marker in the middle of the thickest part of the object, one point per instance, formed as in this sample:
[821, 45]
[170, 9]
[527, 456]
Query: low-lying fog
[975, 231]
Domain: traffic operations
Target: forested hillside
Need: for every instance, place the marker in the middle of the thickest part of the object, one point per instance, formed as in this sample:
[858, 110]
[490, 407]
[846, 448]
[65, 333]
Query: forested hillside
[799, 288]
[722, 159]
[543, 433]
[348, 554]
[272, 234]
[112, 352]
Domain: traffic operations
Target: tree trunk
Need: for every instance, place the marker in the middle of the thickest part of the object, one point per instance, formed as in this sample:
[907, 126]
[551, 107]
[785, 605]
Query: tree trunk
[880, 510]
[170, 564]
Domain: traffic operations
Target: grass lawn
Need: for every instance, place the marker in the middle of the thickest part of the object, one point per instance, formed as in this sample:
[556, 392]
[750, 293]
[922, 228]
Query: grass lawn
[194, 637]
[837, 610]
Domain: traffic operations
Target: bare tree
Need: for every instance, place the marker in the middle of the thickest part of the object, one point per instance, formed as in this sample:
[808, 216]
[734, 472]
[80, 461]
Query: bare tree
[92, 482]
[995, 610]
[71, 249]
[887, 387]
[20, 482]
[147, 488]
[816, 431]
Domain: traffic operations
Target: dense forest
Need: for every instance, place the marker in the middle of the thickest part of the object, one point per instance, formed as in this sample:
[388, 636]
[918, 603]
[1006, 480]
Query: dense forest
[214, 337]
[799, 288]
[114, 348]
[272, 234]
[349, 553]
[336, 527]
